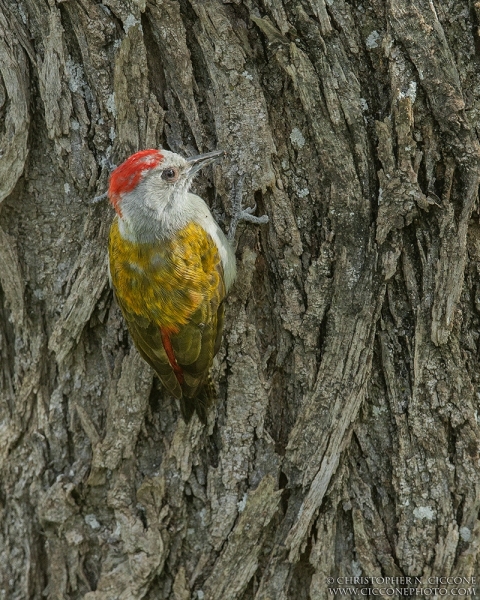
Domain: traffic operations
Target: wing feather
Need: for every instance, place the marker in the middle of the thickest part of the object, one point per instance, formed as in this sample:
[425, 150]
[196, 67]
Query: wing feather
[176, 287]
[148, 341]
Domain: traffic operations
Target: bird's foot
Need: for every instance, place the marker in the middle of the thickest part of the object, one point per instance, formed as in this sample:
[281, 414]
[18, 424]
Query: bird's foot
[240, 213]
[98, 199]
[111, 167]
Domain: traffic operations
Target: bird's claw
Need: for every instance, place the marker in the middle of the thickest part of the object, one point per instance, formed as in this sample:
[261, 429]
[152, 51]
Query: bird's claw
[98, 199]
[250, 209]
[103, 196]
[246, 215]
[243, 214]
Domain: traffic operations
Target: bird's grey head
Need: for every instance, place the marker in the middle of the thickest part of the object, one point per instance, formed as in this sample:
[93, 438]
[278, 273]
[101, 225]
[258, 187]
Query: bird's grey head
[149, 191]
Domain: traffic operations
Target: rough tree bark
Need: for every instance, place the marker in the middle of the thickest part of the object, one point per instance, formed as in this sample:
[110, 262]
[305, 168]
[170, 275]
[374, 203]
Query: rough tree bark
[346, 438]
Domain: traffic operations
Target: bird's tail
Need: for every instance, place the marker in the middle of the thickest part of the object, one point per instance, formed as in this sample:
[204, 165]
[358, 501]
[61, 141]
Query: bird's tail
[201, 402]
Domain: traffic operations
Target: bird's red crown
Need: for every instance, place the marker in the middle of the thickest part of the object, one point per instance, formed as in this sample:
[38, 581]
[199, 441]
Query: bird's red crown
[127, 176]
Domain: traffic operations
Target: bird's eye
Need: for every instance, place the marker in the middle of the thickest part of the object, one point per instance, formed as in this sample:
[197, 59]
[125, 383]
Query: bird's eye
[170, 174]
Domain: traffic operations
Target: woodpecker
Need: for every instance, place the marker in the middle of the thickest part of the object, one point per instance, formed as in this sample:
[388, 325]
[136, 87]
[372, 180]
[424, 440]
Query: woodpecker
[171, 267]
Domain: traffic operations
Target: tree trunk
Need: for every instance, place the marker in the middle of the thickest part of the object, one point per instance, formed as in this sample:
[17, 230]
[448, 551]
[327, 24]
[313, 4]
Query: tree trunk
[345, 441]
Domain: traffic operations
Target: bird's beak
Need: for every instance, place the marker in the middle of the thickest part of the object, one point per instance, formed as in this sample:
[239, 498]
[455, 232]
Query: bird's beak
[198, 162]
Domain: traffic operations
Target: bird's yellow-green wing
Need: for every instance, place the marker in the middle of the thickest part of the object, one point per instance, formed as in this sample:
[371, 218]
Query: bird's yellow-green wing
[171, 294]
[148, 340]
[193, 347]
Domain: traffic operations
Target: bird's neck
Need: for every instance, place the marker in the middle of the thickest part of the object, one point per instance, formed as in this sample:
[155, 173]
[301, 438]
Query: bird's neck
[151, 222]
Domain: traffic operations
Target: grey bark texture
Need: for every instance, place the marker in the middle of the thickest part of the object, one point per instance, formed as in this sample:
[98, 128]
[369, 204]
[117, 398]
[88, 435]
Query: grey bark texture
[345, 440]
